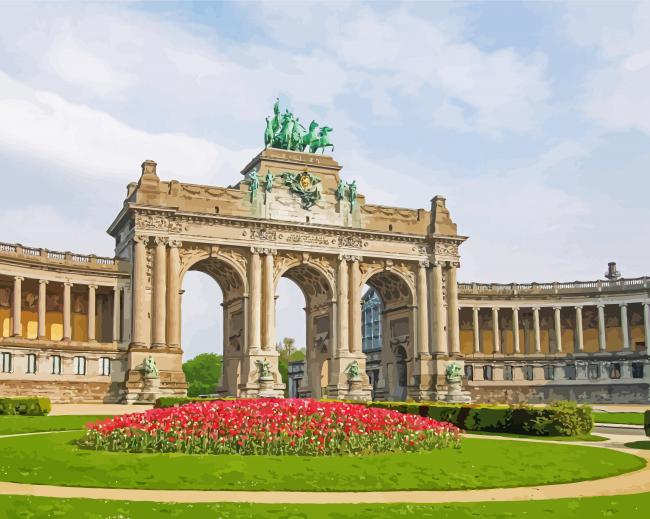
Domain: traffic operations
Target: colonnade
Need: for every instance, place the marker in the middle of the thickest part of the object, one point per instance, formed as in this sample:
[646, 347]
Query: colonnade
[16, 310]
[557, 327]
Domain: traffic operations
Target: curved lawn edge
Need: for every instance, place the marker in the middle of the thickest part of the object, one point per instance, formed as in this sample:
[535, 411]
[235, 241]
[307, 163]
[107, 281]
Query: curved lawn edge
[479, 464]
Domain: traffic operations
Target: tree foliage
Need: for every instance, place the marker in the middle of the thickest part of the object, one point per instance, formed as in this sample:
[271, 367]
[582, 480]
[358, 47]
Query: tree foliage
[203, 373]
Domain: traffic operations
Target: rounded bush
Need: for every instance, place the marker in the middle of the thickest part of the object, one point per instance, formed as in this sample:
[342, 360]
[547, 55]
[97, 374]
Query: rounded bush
[270, 426]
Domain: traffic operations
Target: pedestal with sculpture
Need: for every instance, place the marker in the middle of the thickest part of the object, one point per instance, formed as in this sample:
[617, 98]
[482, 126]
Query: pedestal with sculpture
[454, 378]
[150, 381]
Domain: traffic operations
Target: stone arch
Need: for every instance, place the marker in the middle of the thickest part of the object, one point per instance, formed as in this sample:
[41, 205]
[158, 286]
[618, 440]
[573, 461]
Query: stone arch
[316, 284]
[228, 268]
[394, 287]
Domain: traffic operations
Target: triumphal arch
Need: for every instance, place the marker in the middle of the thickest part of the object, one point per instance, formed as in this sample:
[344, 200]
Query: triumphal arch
[291, 214]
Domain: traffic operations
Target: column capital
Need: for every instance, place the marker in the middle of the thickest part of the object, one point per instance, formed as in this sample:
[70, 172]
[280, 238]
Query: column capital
[117, 289]
[578, 307]
[600, 305]
[515, 308]
[623, 305]
[269, 252]
[495, 308]
[350, 257]
[423, 264]
[91, 286]
[19, 278]
[453, 264]
[68, 283]
[160, 240]
[476, 308]
[43, 281]
[556, 308]
[175, 244]
[536, 308]
[141, 238]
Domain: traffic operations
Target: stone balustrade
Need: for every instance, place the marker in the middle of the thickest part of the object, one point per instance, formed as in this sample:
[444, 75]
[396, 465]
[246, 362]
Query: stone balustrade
[42, 255]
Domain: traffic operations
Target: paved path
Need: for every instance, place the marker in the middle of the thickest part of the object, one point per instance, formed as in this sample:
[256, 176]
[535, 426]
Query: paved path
[630, 483]
[97, 409]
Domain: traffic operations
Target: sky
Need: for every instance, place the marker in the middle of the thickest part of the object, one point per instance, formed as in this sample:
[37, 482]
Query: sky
[533, 119]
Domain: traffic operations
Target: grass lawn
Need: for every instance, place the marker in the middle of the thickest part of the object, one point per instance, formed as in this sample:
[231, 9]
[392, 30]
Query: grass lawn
[479, 463]
[15, 424]
[580, 438]
[619, 418]
[621, 507]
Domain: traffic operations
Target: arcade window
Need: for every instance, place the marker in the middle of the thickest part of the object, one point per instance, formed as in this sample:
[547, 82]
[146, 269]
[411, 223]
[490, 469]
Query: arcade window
[7, 366]
[469, 372]
[549, 372]
[637, 370]
[104, 366]
[31, 363]
[79, 366]
[570, 371]
[56, 364]
[593, 371]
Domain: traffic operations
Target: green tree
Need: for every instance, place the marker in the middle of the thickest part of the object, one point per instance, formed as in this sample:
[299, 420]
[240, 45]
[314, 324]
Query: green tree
[288, 353]
[203, 373]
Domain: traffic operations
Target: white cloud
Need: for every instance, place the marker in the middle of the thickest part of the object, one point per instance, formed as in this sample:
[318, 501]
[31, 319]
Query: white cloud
[92, 142]
[617, 89]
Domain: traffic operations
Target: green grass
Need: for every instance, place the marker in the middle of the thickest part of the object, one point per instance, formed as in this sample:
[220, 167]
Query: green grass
[480, 463]
[23, 424]
[617, 507]
[619, 418]
[580, 438]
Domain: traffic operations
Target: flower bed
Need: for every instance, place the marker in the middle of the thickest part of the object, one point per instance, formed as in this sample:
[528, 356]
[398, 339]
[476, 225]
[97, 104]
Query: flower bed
[270, 426]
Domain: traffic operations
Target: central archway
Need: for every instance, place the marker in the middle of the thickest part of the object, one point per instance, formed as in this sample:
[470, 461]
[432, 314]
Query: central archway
[317, 288]
[391, 369]
[233, 286]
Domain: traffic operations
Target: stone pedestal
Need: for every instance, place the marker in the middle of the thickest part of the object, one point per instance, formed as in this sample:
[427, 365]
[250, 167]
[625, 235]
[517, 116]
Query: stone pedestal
[356, 390]
[267, 389]
[456, 395]
[150, 390]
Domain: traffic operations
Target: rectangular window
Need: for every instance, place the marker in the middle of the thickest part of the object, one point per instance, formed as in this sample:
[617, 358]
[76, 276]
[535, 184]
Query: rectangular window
[7, 366]
[614, 370]
[549, 372]
[31, 363]
[570, 371]
[79, 366]
[487, 372]
[637, 370]
[469, 372]
[104, 366]
[507, 372]
[593, 371]
[529, 372]
[56, 364]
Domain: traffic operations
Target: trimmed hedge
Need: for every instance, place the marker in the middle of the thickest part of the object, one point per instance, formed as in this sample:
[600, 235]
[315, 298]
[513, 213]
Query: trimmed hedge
[646, 422]
[175, 401]
[29, 406]
[555, 419]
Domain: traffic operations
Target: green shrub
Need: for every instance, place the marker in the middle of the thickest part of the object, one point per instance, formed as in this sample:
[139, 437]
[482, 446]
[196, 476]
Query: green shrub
[560, 419]
[646, 422]
[29, 406]
[175, 401]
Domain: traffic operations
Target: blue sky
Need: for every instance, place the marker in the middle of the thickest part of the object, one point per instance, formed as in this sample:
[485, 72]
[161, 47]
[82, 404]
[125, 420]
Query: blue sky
[532, 118]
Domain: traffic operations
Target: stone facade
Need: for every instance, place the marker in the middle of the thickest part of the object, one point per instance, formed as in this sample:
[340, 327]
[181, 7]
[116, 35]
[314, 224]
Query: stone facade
[78, 328]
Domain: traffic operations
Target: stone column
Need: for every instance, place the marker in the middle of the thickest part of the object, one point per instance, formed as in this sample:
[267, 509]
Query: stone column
[440, 342]
[496, 339]
[67, 321]
[602, 336]
[355, 306]
[174, 295]
[268, 298]
[515, 329]
[477, 330]
[538, 339]
[159, 339]
[579, 333]
[139, 310]
[646, 325]
[625, 332]
[557, 322]
[117, 313]
[42, 308]
[452, 309]
[254, 300]
[17, 306]
[423, 309]
[342, 304]
[92, 312]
